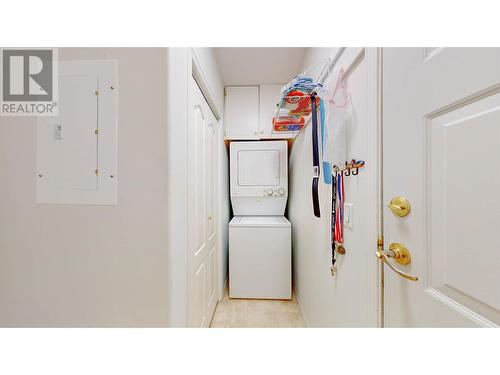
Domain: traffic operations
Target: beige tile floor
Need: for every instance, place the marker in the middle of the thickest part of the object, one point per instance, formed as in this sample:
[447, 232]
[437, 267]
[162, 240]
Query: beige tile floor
[251, 313]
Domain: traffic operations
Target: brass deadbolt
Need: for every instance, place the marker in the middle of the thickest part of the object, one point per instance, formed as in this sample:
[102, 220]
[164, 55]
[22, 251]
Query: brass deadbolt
[400, 206]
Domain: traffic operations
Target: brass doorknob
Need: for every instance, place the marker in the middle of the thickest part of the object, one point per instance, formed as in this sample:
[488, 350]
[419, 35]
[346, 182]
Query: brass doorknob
[400, 254]
[400, 206]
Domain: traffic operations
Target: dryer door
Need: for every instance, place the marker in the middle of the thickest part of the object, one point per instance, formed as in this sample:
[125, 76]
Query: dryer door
[259, 168]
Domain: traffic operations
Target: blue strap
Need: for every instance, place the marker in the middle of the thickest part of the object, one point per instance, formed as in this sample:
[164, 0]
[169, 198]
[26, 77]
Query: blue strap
[327, 171]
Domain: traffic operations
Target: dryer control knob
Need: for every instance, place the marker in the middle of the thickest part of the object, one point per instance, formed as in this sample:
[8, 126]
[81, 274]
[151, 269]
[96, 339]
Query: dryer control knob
[281, 191]
[270, 192]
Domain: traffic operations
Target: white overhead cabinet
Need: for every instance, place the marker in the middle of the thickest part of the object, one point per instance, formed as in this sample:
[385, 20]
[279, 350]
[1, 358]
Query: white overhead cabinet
[249, 112]
[242, 112]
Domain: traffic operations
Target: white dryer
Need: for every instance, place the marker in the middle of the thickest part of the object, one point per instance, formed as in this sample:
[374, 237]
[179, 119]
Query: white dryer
[259, 235]
[259, 177]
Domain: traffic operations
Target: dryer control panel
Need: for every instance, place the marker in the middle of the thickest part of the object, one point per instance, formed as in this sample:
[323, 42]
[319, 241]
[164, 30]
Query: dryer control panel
[274, 192]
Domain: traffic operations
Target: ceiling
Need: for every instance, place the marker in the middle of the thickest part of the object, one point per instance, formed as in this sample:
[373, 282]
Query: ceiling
[251, 66]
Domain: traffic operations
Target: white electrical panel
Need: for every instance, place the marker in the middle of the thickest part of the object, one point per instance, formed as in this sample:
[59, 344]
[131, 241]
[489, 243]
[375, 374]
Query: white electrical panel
[77, 150]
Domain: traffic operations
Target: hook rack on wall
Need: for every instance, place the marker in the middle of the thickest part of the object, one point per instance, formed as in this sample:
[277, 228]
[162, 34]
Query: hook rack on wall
[354, 166]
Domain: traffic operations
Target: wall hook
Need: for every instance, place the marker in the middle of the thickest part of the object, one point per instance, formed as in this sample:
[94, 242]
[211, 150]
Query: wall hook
[335, 170]
[347, 169]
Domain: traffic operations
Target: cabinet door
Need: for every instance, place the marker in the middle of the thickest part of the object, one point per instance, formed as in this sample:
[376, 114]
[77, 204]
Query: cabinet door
[269, 98]
[242, 112]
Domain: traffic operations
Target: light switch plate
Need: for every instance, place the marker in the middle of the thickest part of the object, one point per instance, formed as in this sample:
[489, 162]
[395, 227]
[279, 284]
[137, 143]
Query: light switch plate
[58, 132]
[348, 211]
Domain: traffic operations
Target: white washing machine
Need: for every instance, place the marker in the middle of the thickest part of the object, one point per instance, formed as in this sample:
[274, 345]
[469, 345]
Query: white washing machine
[259, 234]
[260, 258]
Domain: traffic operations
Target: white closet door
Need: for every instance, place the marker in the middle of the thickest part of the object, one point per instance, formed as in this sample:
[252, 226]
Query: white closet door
[211, 163]
[202, 163]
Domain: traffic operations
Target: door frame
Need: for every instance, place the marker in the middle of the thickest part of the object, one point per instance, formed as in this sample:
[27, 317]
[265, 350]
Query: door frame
[195, 70]
[380, 184]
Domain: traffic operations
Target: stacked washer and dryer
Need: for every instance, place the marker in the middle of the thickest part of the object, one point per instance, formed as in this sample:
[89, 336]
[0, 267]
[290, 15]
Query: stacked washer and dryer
[260, 254]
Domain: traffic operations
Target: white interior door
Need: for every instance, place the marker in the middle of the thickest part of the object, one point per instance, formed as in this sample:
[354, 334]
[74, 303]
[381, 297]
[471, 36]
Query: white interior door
[201, 205]
[441, 142]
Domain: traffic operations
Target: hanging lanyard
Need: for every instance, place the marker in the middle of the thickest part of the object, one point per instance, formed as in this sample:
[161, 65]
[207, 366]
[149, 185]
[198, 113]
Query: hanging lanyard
[334, 208]
[339, 227]
[340, 215]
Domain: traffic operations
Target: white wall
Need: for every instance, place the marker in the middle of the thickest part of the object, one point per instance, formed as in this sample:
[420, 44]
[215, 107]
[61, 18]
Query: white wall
[87, 265]
[350, 298]
[179, 70]
[124, 265]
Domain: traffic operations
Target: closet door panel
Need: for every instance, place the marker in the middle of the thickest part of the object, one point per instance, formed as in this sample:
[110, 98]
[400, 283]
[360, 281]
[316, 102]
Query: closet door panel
[202, 240]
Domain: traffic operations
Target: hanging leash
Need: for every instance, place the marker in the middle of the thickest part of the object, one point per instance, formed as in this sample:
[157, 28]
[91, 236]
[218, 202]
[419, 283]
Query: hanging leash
[316, 171]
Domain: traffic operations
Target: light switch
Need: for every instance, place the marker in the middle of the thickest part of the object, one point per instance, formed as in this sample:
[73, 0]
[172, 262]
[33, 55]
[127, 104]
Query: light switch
[58, 131]
[348, 207]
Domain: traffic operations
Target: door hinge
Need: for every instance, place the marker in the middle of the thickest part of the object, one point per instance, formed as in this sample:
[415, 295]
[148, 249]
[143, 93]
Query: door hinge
[97, 92]
[380, 243]
[96, 132]
[97, 172]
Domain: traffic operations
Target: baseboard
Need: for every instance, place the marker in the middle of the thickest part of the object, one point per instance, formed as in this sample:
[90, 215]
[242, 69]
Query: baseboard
[306, 320]
[221, 296]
